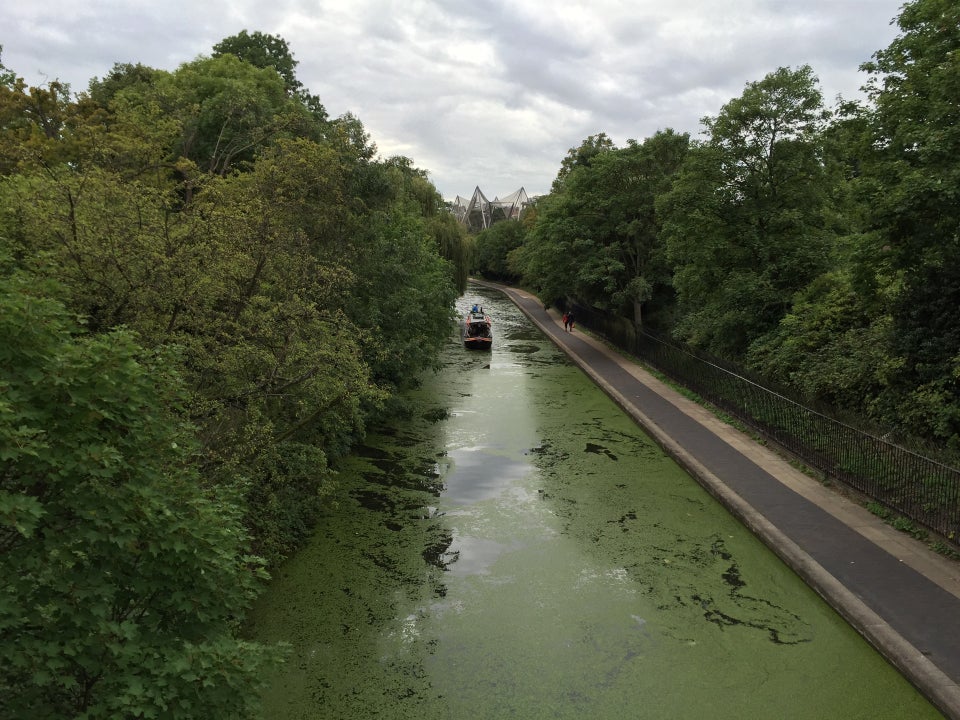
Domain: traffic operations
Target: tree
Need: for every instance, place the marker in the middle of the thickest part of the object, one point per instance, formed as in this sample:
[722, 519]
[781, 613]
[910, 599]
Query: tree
[122, 75]
[203, 208]
[596, 237]
[32, 120]
[262, 51]
[454, 245]
[493, 248]
[581, 157]
[829, 346]
[226, 110]
[916, 210]
[746, 221]
[123, 580]
[621, 261]
[7, 76]
[547, 260]
[403, 299]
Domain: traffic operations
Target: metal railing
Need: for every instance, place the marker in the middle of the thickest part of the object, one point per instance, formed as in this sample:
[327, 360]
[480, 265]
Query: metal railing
[924, 490]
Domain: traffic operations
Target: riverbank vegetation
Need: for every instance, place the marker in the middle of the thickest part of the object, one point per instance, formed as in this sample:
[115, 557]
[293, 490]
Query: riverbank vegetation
[209, 289]
[817, 246]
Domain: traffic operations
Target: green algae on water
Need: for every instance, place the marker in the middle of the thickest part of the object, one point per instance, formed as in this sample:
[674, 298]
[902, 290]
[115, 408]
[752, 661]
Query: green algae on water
[518, 548]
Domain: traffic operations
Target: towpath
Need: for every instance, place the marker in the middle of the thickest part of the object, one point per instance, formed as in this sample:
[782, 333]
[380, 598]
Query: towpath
[900, 595]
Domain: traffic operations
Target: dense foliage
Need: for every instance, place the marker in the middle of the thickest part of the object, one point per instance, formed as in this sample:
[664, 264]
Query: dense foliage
[252, 286]
[596, 236]
[123, 579]
[819, 246]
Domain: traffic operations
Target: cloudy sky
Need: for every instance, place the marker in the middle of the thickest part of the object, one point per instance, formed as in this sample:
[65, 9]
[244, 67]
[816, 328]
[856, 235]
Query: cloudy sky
[482, 92]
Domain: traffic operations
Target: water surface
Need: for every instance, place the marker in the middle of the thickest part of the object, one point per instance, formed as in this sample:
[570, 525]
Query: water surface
[518, 548]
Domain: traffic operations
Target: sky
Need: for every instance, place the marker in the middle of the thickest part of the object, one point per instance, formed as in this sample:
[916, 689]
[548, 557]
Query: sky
[488, 93]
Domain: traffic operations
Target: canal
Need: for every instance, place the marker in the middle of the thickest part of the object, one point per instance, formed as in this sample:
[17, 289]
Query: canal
[516, 547]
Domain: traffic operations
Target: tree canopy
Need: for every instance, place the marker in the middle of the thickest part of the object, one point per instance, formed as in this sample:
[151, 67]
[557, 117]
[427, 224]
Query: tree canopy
[124, 579]
[744, 223]
[251, 287]
[915, 215]
[818, 246]
[597, 236]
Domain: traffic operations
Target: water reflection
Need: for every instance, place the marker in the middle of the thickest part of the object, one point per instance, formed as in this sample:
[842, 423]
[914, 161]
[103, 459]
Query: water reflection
[518, 548]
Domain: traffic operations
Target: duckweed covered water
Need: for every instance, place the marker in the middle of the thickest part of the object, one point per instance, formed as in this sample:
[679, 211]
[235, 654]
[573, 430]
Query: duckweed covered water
[518, 548]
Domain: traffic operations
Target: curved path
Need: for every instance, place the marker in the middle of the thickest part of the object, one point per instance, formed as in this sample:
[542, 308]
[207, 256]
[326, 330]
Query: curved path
[897, 593]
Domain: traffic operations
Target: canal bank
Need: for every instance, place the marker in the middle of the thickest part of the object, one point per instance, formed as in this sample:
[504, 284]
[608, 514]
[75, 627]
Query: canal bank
[899, 595]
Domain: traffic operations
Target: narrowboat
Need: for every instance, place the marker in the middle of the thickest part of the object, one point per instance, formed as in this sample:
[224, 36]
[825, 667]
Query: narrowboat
[476, 329]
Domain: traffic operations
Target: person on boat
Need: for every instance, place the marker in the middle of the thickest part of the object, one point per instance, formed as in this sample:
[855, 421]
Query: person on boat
[474, 308]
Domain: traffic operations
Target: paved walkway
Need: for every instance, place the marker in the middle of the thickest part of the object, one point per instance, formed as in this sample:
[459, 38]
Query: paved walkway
[901, 596]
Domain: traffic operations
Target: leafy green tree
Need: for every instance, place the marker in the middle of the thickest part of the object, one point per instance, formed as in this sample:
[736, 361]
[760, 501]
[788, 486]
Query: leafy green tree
[205, 208]
[833, 344]
[120, 251]
[597, 237]
[271, 51]
[581, 156]
[349, 134]
[122, 75]
[226, 108]
[403, 300]
[275, 361]
[454, 244]
[493, 248]
[830, 347]
[32, 120]
[7, 76]
[123, 581]
[547, 260]
[262, 51]
[746, 222]
[250, 282]
[915, 212]
[621, 263]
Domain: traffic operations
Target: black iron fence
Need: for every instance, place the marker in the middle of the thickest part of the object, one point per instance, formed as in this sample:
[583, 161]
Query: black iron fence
[919, 488]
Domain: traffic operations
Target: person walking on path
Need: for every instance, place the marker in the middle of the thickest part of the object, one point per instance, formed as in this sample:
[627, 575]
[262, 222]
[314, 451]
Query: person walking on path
[570, 319]
[566, 320]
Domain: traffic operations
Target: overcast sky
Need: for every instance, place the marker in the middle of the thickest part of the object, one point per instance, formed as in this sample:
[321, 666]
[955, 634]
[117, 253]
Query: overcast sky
[483, 92]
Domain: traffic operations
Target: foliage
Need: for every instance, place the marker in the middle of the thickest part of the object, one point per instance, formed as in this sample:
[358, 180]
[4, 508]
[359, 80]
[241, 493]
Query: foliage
[915, 88]
[456, 246]
[828, 347]
[120, 77]
[262, 51]
[212, 209]
[493, 247]
[404, 317]
[819, 248]
[546, 260]
[32, 120]
[581, 156]
[597, 236]
[227, 109]
[745, 222]
[123, 579]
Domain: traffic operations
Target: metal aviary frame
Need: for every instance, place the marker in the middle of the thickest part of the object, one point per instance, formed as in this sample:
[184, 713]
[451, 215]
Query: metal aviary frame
[478, 213]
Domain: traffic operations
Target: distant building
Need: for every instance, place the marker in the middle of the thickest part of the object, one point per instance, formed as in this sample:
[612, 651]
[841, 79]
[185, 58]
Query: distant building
[478, 213]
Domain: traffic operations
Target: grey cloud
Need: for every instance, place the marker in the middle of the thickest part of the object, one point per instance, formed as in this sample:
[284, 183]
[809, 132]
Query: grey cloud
[488, 93]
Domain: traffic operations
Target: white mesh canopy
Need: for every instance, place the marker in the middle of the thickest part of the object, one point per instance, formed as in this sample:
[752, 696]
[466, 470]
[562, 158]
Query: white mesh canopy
[479, 213]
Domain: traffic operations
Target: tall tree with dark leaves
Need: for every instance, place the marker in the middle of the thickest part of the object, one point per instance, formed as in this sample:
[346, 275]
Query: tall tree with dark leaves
[745, 222]
[915, 86]
[262, 51]
[124, 579]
